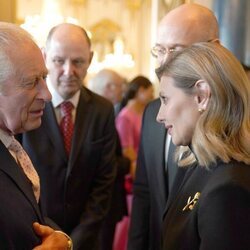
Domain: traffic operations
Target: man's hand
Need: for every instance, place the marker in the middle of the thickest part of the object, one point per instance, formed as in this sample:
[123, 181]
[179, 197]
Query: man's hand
[51, 239]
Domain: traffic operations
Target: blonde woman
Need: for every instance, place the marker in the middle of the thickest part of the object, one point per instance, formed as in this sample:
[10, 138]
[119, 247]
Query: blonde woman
[205, 105]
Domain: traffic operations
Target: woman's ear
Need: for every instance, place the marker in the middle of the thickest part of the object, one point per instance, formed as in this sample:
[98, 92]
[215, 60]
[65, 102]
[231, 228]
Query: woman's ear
[203, 93]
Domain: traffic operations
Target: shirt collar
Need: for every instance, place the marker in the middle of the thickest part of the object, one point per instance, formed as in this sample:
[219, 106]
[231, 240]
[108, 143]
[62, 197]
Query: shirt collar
[5, 138]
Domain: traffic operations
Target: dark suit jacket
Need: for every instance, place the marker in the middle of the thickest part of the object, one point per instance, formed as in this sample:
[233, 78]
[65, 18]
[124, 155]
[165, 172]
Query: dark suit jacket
[118, 207]
[221, 217]
[18, 208]
[150, 185]
[76, 191]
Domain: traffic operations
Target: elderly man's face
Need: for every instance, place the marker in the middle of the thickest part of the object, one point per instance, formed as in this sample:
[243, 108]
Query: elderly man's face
[114, 90]
[23, 95]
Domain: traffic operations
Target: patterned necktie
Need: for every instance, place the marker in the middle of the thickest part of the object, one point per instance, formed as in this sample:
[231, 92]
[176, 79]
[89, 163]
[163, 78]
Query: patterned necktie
[66, 125]
[27, 166]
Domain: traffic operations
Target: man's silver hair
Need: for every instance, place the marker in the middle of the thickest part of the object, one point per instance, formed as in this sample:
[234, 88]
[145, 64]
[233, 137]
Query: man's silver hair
[11, 37]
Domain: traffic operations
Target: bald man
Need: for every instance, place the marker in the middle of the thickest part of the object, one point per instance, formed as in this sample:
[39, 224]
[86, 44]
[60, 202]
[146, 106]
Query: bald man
[77, 173]
[157, 178]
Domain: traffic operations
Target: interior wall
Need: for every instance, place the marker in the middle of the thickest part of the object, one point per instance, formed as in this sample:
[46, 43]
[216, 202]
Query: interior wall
[137, 28]
[8, 11]
[134, 23]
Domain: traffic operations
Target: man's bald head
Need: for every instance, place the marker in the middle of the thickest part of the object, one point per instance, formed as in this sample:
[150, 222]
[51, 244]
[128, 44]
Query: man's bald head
[185, 25]
[67, 31]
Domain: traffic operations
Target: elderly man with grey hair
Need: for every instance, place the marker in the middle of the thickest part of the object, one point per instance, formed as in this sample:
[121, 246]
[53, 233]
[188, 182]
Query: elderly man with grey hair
[109, 84]
[23, 95]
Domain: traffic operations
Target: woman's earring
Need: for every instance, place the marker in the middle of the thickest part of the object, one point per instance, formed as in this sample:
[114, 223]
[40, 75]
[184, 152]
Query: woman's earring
[200, 110]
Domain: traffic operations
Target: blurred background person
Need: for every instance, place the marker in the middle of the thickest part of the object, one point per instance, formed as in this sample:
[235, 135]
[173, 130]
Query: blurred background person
[128, 123]
[110, 85]
[74, 149]
[205, 105]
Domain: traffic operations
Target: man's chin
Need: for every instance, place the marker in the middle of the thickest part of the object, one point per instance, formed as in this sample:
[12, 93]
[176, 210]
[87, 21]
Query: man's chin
[68, 93]
[32, 125]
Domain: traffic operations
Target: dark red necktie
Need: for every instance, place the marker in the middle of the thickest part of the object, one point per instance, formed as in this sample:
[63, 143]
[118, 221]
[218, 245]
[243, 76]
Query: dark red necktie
[67, 125]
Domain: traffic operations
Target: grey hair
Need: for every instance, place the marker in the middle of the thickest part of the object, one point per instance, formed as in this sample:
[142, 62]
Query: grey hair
[100, 81]
[11, 37]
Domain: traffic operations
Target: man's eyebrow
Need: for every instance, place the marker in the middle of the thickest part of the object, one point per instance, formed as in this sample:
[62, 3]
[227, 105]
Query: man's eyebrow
[33, 77]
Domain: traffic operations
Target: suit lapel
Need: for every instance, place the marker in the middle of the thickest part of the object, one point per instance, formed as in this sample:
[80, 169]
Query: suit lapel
[160, 161]
[156, 153]
[81, 126]
[10, 167]
[50, 126]
[182, 176]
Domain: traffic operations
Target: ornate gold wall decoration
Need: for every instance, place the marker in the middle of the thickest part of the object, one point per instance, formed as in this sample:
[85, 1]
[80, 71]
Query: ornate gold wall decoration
[103, 35]
[104, 30]
[109, 47]
[171, 4]
[133, 5]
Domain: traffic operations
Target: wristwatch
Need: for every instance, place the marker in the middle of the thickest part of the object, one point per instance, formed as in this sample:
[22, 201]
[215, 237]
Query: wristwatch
[70, 242]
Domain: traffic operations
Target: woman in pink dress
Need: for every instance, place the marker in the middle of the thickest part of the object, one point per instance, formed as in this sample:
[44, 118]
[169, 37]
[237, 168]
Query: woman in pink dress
[128, 123]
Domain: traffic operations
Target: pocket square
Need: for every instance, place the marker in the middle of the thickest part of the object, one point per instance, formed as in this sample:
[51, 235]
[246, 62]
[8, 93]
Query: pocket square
[191, 202]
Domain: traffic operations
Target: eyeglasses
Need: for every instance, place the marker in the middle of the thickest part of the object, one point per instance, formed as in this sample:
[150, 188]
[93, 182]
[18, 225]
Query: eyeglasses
[160, 51]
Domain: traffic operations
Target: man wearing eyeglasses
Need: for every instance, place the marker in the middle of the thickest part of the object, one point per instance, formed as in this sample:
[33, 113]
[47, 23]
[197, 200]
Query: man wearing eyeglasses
[157, 178]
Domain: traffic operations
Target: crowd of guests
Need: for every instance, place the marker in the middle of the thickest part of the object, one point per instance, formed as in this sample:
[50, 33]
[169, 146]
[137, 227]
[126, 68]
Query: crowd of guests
[104, 166]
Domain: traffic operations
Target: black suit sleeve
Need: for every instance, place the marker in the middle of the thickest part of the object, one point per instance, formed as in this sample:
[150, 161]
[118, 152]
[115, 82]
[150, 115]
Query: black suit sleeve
[123, 163]
[224, 218]
[139, 227]
[85, 235]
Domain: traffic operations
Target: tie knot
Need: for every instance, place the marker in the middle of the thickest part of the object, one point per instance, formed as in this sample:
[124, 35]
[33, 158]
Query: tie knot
[66, 108]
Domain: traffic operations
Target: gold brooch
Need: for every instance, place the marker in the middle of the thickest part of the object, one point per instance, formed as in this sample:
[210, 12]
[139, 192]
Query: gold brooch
[191, 202]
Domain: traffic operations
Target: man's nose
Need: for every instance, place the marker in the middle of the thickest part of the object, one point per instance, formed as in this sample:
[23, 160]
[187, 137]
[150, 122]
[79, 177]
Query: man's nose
[68, 68]
[43, 90]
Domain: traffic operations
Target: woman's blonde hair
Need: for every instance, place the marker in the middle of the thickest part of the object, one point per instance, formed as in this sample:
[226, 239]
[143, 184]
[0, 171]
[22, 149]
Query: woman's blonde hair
[223, 129]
